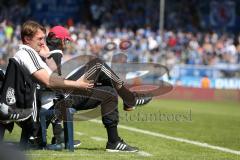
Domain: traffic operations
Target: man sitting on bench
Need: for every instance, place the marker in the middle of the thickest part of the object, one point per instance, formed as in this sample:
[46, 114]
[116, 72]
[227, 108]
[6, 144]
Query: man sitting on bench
[104, 93]
[28, 63]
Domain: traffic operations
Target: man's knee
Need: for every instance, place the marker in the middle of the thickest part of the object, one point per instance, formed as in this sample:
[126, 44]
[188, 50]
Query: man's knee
[110, 94]
[98, 60]
[95, 61]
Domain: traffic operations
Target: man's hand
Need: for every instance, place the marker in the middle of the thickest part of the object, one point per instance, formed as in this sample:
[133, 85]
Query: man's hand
[84, 83]
[44, 52]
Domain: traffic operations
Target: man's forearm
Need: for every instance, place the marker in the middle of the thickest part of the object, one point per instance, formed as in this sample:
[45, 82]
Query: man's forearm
[61, 83]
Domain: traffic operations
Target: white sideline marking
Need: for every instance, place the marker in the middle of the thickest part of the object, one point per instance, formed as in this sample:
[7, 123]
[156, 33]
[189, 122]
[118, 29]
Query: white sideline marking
[204, 145]
[79, 133]
[99, 138]
[144, 154]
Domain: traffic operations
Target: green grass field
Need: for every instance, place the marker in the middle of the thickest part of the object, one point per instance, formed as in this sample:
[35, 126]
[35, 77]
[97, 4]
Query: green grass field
[214, 123]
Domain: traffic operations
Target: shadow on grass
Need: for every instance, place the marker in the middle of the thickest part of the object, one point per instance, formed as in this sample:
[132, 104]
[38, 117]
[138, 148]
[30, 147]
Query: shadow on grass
[90, 149]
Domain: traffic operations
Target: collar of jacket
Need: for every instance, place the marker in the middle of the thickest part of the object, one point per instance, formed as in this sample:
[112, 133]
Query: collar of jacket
[23, 46]
[56, 51]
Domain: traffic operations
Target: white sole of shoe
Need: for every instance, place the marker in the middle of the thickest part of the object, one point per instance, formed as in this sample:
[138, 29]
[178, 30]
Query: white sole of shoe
[77, 145]
[114, 150]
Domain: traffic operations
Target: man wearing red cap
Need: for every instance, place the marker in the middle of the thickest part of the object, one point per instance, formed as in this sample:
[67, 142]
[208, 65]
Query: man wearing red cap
[105, 94]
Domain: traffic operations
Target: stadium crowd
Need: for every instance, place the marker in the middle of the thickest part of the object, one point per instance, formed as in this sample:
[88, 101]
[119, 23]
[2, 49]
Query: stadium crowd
[107, 21]
[168, 48]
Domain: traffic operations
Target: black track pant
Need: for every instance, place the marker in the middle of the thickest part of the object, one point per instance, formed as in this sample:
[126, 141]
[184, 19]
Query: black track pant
[103, 94]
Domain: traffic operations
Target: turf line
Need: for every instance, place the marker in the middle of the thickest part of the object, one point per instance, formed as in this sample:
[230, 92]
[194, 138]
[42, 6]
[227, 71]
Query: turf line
[200, 144]
[99, 138]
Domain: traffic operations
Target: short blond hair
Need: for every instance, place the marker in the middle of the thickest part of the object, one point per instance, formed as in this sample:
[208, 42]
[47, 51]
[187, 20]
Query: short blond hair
[30, 28]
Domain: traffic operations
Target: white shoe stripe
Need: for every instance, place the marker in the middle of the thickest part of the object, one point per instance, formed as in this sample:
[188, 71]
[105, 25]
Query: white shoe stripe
[137, 102]
[17, 116]
[124, 146]
[140, 101]
[118, 145]
[121, 146]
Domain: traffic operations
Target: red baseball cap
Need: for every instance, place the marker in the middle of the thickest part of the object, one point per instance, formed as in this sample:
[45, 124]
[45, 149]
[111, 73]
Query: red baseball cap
[61, 33]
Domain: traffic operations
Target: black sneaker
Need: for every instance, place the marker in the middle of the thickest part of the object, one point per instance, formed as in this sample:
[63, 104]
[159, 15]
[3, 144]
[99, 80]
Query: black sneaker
[76, 143]
[10, 114]
[120, 146]
[140, 99]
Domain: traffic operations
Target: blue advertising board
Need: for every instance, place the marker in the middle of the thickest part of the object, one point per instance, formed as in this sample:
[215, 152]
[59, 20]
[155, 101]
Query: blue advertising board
[55, 11]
